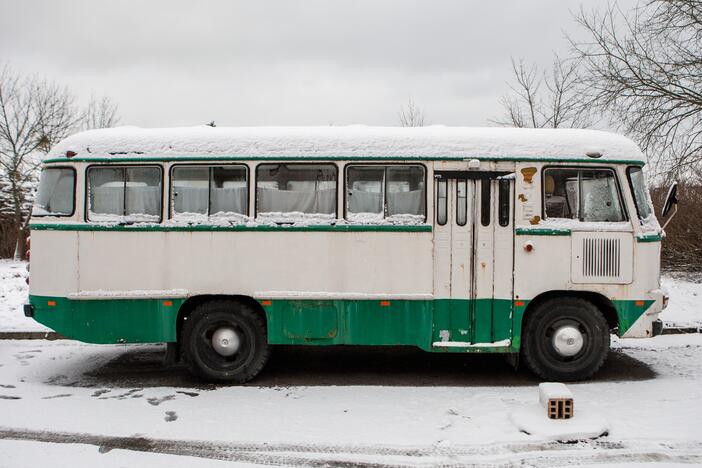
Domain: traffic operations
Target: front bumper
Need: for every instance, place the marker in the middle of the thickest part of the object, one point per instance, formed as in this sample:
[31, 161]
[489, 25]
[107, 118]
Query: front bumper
[657, 327]
[28, 310]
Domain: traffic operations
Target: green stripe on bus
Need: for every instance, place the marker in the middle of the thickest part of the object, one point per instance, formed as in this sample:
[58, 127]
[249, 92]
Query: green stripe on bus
[521, 231]
[208, 228]
[315, 322]
[649, 237]
[564, 159]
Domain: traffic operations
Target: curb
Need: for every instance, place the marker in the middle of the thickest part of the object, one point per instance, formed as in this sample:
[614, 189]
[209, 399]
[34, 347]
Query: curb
[681, 330]
[27, 335]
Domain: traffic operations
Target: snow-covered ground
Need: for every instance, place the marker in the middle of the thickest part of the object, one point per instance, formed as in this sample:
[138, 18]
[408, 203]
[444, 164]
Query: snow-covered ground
[65, 400]
[13, 294]
[683, 311]
[61, 400]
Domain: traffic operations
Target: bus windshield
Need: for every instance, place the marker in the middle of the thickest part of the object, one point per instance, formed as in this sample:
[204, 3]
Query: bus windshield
[55, 195]
[638, 185]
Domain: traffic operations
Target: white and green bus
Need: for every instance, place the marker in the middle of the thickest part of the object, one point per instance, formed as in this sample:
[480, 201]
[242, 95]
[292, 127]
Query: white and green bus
[225, 241]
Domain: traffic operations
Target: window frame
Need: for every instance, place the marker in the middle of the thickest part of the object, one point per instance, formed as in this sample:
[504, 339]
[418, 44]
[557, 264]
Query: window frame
[385, 177]
[458, 214]
[209, 180]
[75, 186]
[501, 197]
[296, 163]
[622, 204]
[486, 205]
[633, 193]
[86, 200]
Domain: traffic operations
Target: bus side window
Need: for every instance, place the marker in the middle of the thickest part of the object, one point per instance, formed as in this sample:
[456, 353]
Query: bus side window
[590, 195]
[442, 202]
[124, 194]
[503, 202]
[485, 186]
[286, 192]
[377, 192]
[209, 190]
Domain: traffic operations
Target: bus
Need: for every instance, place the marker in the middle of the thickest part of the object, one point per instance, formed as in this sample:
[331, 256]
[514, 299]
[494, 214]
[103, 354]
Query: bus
[224, 242]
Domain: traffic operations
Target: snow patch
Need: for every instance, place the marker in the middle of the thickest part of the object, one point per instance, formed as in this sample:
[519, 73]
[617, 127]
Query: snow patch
[349, 141]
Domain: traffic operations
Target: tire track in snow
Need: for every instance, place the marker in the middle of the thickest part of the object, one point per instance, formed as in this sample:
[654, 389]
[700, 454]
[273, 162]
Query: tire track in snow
[536, 454]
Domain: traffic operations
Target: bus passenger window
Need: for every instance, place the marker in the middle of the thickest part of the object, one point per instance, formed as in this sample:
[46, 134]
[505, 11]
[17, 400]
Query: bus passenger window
[461, 202]
[375, 193]
[286, 193]
[503, 202]
[55, 196]
[209, 190]
[441, 202]
[124, 194]
[582, 194]
[485, 186]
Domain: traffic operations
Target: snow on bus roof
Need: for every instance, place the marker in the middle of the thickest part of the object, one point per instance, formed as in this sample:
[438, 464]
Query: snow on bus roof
[354, 141]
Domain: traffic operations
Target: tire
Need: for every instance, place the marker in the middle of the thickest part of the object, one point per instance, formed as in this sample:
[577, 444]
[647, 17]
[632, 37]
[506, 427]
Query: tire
[550, 341]
[221, 316]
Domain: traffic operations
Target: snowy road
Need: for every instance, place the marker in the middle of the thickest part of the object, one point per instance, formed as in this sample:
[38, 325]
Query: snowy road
[116, 405]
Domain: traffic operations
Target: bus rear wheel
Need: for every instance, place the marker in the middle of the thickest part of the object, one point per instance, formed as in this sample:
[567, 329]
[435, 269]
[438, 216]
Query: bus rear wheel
[225, 341]
[565, 339]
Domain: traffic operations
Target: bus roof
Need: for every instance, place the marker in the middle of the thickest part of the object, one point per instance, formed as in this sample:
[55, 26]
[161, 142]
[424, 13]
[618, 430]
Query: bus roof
[347, 142]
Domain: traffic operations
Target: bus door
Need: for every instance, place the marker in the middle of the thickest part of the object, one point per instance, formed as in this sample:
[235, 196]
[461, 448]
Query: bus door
[473, 249]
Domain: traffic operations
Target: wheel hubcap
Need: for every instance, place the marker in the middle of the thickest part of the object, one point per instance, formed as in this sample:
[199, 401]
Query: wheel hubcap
[226, 341]
[568, 340]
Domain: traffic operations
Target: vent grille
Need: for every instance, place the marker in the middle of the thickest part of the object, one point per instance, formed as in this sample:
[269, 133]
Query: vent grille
[601, 258]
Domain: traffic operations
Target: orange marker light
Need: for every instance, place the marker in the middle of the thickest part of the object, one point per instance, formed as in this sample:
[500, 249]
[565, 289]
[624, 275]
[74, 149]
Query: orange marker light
[266, 303]
[167, 303]
[384, 303]
[519, 303]
[51, 303]
[639, 303]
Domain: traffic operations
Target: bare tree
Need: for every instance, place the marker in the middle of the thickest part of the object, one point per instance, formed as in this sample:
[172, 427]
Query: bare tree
[645, 68]
[34, 115]
[411, 115]
[100, 113]
[540, 99]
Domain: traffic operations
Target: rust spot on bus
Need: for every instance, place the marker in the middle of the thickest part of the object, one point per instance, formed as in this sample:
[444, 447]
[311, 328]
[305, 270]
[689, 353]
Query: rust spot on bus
[535, 220]
[528, 174]
[522, 198]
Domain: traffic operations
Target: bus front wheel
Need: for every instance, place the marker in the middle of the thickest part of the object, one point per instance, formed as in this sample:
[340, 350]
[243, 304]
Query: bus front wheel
[225, 341]
[565, 339]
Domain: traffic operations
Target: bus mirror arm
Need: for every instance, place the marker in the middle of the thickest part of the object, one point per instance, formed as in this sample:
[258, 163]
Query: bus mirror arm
[667, 221]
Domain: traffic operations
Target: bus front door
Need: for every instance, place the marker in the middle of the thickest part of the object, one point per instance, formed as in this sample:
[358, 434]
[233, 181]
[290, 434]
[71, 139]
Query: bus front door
[473, 251]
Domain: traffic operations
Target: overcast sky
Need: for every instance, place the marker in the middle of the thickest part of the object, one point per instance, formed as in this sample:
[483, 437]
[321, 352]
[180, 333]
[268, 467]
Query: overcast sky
[169, 63]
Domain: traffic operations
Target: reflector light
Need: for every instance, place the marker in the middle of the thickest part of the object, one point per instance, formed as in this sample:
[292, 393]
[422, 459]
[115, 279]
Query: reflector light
[266, 303]
[519, 303]
[384, 303]
[167, 303]
[51, 303]
[639, 303]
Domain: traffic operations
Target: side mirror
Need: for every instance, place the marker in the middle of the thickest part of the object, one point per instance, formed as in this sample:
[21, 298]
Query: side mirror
[670, 200]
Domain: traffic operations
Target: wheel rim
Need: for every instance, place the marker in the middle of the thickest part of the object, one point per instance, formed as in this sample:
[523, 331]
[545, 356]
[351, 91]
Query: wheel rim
[225, 357]
[567, 340]
[226, 341]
